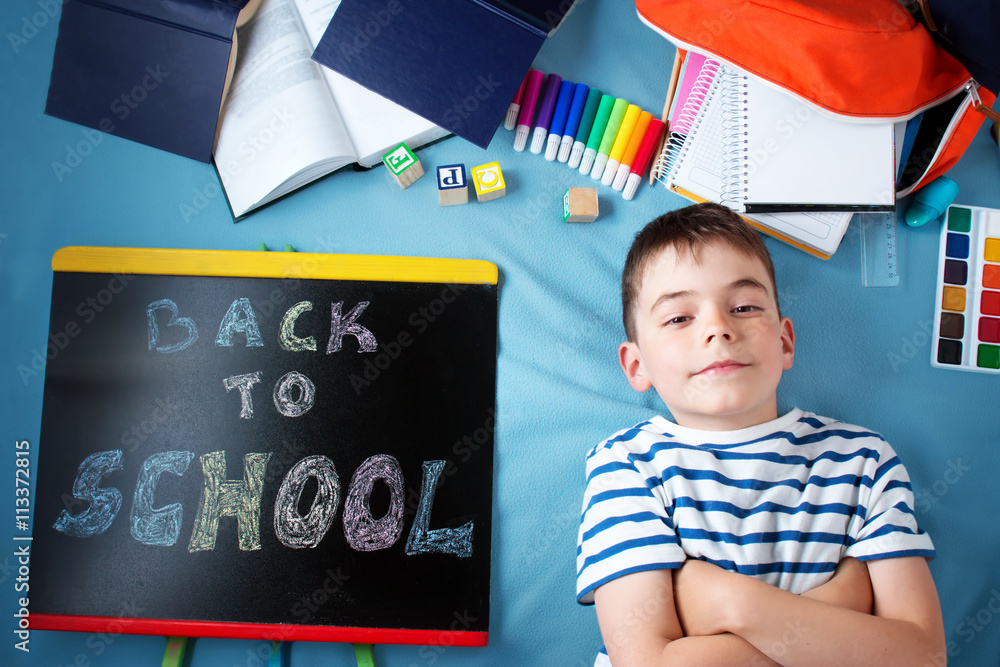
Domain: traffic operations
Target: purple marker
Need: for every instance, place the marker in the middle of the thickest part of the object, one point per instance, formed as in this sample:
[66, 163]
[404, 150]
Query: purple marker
[545, 108]
[527, 114]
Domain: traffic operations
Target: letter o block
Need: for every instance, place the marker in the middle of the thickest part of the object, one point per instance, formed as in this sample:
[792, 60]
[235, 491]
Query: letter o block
[489, 182]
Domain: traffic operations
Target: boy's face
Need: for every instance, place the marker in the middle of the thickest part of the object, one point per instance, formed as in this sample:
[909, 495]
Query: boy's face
[709, 338]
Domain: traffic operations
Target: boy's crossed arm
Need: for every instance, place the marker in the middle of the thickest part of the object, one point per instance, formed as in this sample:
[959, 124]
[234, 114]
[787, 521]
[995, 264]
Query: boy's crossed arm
[733, 619]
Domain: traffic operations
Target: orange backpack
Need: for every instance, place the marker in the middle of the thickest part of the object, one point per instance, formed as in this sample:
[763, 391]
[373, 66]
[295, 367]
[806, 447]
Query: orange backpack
[858, 59]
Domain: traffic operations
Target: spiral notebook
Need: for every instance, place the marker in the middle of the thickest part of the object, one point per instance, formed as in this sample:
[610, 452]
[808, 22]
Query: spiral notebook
[700, 161]
[791, 155]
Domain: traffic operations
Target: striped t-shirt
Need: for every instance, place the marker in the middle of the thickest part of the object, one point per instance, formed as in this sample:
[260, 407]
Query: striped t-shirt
[783, 501]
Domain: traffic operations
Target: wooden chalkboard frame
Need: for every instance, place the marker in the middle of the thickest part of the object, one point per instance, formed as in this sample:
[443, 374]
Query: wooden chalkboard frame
[464, 629]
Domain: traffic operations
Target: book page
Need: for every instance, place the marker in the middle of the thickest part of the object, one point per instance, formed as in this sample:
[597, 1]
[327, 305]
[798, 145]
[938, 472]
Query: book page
[375, 123]
[279, 127]
[795, 154]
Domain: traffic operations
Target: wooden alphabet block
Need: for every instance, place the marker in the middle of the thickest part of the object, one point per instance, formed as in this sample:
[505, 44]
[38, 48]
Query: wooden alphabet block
[488, 180]
[452, 187]
[580, 205]
[403, 165]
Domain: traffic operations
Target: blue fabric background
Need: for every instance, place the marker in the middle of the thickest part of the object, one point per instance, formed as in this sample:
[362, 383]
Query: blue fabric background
[863, 354]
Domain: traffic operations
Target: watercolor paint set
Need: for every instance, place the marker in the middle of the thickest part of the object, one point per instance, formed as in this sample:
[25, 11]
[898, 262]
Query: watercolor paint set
[967, 312]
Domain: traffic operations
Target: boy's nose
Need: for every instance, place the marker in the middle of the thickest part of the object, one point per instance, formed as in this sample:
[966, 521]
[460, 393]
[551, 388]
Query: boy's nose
[717, 325]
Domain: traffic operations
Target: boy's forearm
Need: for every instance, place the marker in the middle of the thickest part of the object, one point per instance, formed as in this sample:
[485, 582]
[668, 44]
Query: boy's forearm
[906, 628]
[724, 650]
[799, 631]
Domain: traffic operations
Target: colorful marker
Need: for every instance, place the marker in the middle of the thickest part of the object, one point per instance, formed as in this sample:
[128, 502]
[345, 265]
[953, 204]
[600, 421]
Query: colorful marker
[624, 166]
[580, 94]
[532, 86]
[559, 119]
[510, 122]
[594, 97]
[596, 133]
[610, 134]
[629, 122]
[546, 107]
[650, 142]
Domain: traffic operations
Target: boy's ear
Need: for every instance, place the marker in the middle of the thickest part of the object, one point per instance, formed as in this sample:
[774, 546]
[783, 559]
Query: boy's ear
[787, 342]
[631, 362]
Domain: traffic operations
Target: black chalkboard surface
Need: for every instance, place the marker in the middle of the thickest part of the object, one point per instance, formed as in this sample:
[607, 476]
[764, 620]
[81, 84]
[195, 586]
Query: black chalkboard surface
[273, 445]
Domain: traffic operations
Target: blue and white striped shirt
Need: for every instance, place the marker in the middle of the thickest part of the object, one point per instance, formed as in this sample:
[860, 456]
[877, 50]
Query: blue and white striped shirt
[783, 501]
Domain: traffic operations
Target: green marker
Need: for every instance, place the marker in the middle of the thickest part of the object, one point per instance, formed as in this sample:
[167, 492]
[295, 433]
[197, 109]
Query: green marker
[597, 132]
[364, 654]
[610, 134]
[583, 130]
[174, 655]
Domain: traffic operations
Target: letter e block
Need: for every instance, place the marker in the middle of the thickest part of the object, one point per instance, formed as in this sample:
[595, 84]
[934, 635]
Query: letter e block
[452, 187]
[580, 205]
[403, 165]
[488, 180]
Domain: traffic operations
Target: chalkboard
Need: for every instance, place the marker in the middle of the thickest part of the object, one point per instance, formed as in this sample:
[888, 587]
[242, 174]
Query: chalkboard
[262, 444]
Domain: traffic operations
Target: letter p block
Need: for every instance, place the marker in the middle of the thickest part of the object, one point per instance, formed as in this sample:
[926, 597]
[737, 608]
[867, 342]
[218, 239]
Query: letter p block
[452, 187]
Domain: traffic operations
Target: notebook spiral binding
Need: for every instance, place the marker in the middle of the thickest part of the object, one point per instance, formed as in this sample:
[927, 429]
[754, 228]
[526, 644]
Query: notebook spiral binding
[673, 149]
[735, 112]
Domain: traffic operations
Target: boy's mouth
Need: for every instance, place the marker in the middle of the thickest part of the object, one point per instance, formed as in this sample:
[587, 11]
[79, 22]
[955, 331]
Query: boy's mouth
[720, 367]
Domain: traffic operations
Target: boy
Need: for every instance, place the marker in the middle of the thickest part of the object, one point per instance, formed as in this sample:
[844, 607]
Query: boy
[733, 535]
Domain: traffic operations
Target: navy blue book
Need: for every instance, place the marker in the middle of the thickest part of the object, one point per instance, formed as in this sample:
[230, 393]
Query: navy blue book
[457, 63]
[152, 71]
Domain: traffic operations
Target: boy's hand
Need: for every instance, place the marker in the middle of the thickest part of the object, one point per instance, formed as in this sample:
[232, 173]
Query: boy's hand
[700, 595]
[850, 587]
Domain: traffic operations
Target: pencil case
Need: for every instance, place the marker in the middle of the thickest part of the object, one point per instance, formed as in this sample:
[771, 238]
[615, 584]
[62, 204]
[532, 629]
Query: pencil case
[864, 62]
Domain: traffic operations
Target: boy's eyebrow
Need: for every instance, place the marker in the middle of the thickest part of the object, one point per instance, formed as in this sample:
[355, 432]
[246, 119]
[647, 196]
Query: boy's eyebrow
[742, 283]
[670, 296]
[748, 282]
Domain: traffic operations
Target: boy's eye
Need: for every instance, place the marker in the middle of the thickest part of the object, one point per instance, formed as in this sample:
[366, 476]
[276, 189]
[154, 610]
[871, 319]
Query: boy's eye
[680, 319]
[745, 309]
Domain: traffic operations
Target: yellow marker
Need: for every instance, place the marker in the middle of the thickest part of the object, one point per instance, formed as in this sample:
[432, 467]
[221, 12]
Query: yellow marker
[622, 160]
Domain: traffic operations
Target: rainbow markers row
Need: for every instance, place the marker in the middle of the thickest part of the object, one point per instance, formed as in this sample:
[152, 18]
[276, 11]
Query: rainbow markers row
[599, 134]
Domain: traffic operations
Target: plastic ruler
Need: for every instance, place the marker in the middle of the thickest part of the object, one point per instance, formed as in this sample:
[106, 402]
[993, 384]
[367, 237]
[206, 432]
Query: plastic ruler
[879, 249]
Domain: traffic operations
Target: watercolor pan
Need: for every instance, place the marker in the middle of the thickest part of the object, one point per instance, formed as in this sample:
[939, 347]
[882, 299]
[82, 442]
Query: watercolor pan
[967, 297]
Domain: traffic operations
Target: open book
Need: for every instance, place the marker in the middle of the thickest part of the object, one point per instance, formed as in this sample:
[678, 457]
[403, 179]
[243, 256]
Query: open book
[288, 121]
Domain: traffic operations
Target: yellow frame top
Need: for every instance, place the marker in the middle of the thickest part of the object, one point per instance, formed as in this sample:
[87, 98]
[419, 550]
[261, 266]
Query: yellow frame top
[259, 264]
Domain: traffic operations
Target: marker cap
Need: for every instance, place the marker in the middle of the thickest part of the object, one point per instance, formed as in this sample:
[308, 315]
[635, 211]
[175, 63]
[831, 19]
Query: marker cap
[575, 154]
[538, 140]
[621, 176]
[510, 121]
[598, 171]
[610, 169]
[521, 137]
[631, 186]
[552, 147]
[565, 147]
[588, 160]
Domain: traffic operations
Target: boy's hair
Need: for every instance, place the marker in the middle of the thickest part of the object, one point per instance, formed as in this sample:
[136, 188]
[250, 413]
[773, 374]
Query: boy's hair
[686, 230]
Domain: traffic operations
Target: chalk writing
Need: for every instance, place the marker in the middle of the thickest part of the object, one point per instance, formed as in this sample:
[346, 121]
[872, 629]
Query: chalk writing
[161, 526]
[297, 531]
[222, 497]
[154, 329]
[103, 503]
[362, 530]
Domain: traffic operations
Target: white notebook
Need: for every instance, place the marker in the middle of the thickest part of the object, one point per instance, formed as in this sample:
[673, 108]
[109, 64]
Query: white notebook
[694, 164]
[791, 155]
